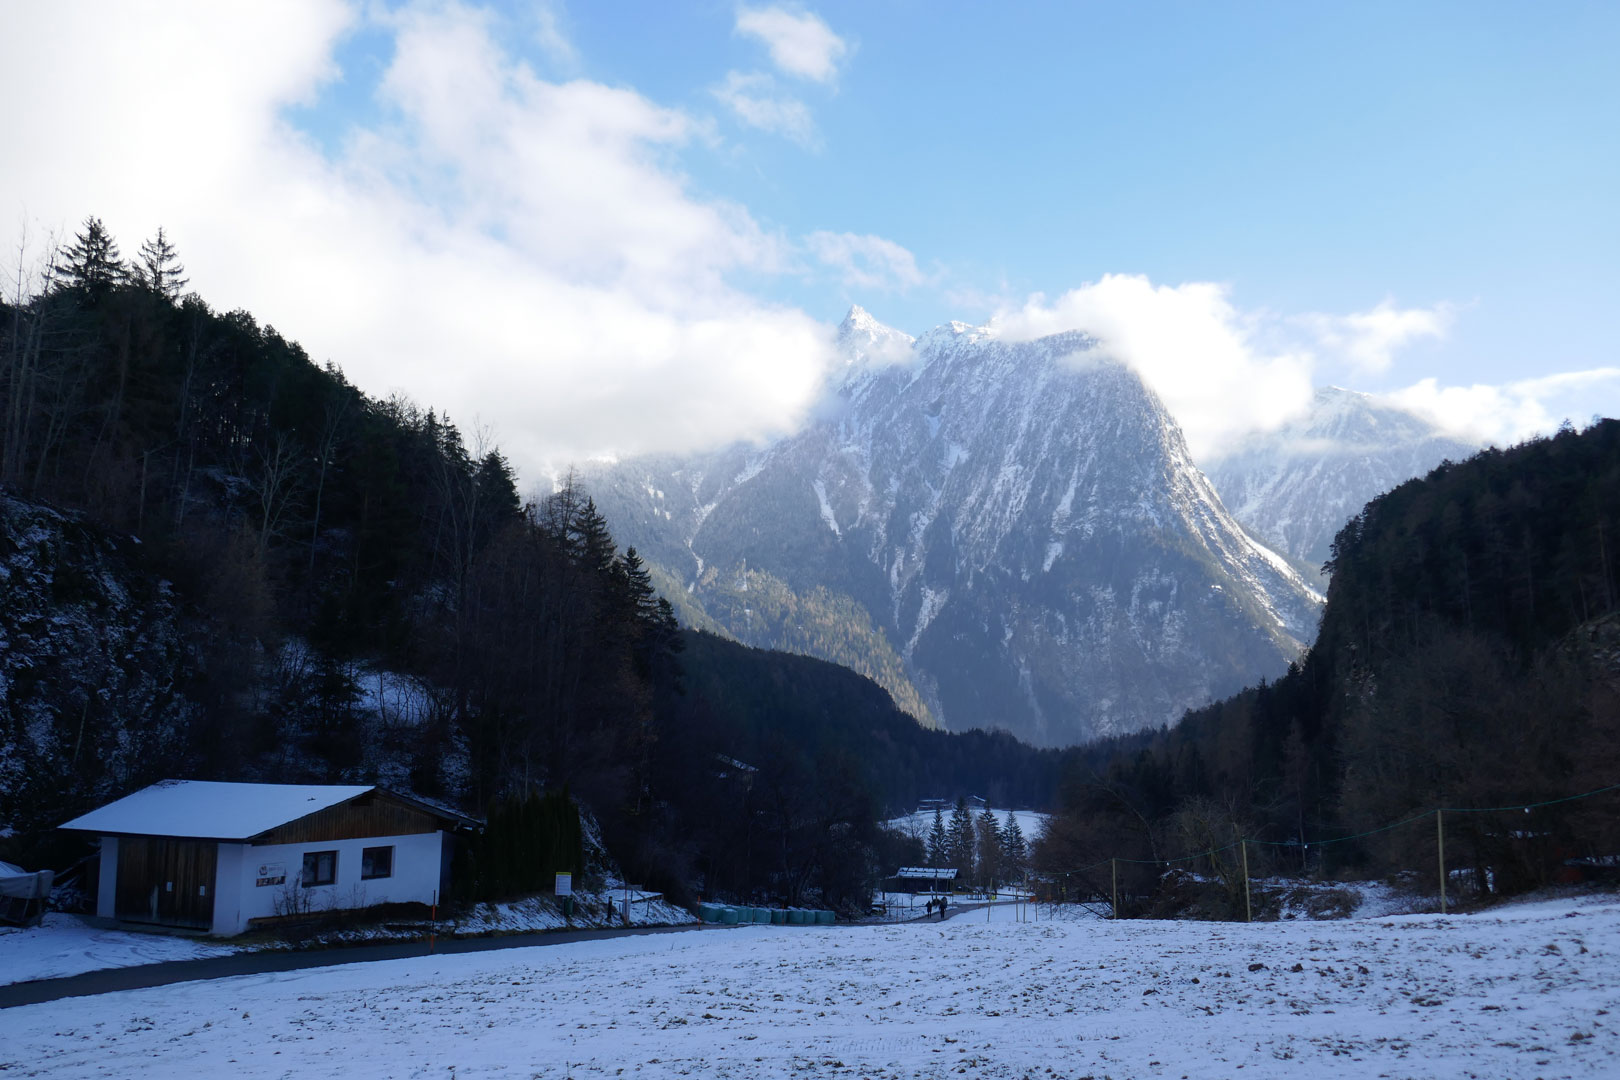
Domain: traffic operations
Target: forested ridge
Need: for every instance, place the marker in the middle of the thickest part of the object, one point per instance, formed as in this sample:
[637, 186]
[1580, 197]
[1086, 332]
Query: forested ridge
[336, 587]
[1466, 658]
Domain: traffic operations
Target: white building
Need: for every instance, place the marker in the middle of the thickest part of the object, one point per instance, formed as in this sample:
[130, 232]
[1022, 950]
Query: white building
[219, 856]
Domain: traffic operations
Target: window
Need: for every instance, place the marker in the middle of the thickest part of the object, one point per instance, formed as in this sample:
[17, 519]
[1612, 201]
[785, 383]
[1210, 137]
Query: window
[376, 862]
[320, 868]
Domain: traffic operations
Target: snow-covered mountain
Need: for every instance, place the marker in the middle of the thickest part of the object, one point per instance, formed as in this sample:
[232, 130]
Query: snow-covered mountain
[1005, 534]
[1297, 486]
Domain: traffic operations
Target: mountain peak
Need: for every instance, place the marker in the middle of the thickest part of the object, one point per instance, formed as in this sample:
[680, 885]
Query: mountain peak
[863, 338]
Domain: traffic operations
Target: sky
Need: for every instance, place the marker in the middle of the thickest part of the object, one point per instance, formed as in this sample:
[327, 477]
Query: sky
[628, 227]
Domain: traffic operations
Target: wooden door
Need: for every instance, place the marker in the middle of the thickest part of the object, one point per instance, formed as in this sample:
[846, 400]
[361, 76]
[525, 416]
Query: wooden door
[167, 882]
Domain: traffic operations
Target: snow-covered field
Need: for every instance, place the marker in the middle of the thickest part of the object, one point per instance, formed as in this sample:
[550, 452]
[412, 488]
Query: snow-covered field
[1030, 822]
[1526, 991]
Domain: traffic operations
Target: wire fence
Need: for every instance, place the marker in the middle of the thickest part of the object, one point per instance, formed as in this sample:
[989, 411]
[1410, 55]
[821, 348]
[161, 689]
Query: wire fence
[1241, 843]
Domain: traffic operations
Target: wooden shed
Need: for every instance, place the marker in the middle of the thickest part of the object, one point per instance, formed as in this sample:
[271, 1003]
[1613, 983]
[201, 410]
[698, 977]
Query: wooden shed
[216, 856]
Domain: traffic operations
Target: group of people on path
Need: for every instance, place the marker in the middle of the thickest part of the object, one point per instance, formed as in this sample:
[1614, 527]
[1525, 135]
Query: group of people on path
[938, 904]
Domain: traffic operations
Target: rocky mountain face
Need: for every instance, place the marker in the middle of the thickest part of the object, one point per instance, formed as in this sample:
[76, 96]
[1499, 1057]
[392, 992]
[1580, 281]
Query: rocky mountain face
[1007, 535]
[1297, 486]
[92, 654]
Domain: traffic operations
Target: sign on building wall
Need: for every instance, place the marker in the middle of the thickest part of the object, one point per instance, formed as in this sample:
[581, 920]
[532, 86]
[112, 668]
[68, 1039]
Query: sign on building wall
[271, 874]
[565, 885]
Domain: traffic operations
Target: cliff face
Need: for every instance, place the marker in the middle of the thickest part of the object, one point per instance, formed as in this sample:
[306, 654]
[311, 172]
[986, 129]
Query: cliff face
[92, 659]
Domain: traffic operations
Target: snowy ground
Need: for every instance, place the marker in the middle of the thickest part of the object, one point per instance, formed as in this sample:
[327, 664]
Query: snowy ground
[1526, 991]
[68, 945]
[605, 909]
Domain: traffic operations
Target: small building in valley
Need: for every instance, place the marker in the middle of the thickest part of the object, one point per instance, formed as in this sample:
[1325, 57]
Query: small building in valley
[212, 856]
[929, 879]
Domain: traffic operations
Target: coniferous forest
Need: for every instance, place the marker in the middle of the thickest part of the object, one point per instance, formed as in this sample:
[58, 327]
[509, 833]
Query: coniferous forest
[1468, 657]
[224, 561]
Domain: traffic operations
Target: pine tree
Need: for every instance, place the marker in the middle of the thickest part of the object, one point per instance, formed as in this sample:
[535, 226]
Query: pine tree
[960, 841]
[92, 262]
[160, 269]
[1014, 848]
[990, 870]
[938, 845]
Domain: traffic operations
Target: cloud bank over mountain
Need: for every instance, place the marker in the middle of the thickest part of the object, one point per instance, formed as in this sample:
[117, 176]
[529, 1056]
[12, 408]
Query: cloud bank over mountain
[495, 235]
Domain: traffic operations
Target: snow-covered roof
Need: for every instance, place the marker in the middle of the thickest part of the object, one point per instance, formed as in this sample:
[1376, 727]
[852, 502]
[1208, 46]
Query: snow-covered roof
[207, 809]
[938, 873]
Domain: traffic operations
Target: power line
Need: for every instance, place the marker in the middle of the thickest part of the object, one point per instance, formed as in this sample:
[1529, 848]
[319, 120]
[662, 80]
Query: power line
[1353, 836]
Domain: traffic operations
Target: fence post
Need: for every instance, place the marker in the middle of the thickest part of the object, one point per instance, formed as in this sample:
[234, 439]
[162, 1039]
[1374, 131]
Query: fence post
[1440, 844]
[1113, 869]
[1248, 907]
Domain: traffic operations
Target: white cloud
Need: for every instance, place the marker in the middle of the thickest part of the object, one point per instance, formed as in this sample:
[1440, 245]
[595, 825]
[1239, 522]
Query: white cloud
[753, 97]
[1514, 411]
[548, 18]
[508, 248]
[1190, 345]
[1366, 342]
[866, 262]
[800, 43]
[1225, 373]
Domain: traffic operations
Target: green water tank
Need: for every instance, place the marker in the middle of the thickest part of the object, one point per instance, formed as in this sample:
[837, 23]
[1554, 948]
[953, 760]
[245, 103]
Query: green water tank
[796, 916]
[728, 916]
[825, 918]
[779, 916]
[762, 915]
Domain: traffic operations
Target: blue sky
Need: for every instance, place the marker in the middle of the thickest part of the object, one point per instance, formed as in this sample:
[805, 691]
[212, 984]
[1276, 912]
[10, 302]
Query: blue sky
[1416, 199]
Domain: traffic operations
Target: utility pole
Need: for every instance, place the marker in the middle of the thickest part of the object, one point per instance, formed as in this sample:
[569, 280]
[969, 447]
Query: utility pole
[1440, 843]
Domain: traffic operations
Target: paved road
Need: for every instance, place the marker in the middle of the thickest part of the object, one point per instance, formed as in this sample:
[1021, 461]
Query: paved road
[142, 976]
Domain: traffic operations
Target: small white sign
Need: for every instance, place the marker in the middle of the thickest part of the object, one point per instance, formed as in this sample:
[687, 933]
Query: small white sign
[565, 885]
[271, 874]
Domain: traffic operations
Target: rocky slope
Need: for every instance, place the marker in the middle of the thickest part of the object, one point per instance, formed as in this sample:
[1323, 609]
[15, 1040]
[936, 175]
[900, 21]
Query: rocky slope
[1004, 534]
[91, 659]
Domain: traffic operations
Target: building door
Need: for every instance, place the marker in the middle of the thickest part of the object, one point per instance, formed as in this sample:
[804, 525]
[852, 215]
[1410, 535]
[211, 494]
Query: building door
[167, 882]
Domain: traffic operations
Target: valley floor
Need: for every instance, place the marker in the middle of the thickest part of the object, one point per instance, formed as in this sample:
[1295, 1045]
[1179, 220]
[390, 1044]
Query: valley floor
[1531, 990]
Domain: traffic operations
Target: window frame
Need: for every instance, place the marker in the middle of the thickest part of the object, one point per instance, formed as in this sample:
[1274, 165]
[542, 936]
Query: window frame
[366, 857]
[313, 859]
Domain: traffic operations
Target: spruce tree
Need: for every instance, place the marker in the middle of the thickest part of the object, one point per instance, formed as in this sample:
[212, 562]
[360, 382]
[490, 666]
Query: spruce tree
[959, 849]
[92, 262]
[990, 871]
[159, 268]
[1014, 848]
[938, 845]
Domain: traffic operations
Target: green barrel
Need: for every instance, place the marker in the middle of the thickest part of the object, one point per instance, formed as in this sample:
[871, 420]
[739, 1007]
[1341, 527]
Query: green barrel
[762, 914]
[728, 916]
[779, 916]
[706, 912]
[825, 918]
[796, 916]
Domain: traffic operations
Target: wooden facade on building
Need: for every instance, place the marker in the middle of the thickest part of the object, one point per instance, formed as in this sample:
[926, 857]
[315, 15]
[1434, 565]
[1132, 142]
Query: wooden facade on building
[220, 857]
